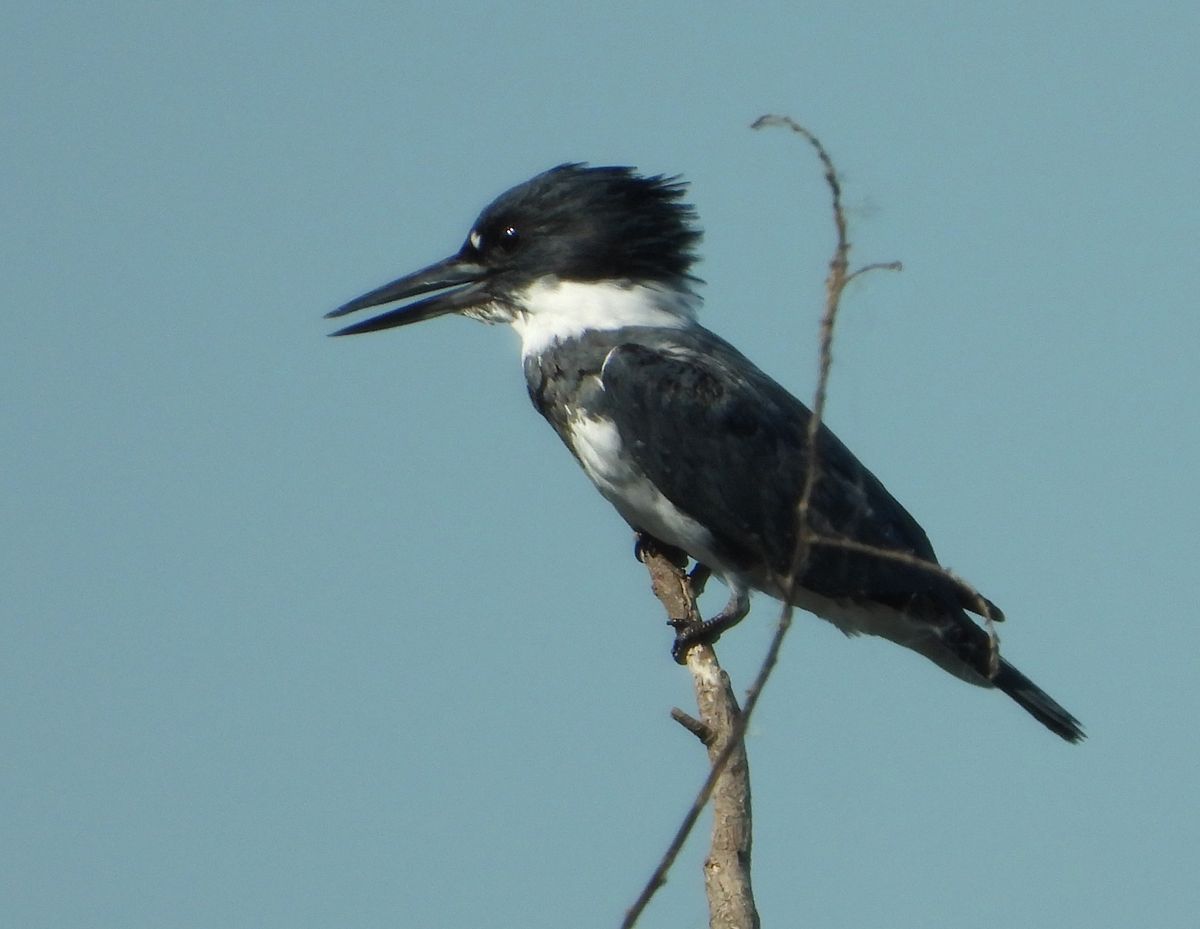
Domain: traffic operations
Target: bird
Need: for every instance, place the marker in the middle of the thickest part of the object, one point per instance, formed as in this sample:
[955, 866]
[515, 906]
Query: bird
[695, 446]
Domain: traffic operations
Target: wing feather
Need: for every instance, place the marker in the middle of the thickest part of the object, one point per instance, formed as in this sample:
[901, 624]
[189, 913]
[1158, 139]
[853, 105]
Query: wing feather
[728, 446]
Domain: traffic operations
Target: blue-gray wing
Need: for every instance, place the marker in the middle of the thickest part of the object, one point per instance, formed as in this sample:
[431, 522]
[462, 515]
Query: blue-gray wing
[728, 446]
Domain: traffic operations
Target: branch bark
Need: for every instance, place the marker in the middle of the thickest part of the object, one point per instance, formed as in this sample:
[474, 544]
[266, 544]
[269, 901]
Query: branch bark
[722, 724]
[727, 867]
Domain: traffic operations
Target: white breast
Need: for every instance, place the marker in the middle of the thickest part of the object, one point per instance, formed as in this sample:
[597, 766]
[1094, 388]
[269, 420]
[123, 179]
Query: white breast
[597, 443]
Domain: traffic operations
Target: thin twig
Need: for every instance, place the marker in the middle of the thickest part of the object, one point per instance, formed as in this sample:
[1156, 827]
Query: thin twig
[727, 868]
[694, 726]
[981, 604]
[875, 266]
[835, 284]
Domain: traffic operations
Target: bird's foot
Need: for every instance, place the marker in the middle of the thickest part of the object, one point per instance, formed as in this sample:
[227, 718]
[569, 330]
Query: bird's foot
[689, 633]
[644, 544]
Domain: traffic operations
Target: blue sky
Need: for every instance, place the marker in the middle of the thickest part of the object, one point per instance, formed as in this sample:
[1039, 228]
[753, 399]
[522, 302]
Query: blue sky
[310, 632]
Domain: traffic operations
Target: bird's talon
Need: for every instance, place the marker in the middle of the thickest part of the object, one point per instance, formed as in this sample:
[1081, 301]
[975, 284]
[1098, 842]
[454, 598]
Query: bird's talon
[689, 634]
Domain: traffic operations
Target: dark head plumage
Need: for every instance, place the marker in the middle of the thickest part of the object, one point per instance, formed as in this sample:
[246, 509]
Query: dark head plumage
[589, 223]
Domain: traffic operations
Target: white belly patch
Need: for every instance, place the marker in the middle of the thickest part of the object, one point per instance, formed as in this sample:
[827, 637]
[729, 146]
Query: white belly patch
[598, 444]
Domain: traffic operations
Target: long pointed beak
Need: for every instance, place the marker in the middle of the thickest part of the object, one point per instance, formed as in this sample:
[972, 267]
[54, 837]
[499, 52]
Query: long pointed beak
[447, 273]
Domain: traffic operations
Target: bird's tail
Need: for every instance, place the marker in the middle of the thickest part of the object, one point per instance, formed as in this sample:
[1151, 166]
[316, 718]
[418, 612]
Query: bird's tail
[1037, 703]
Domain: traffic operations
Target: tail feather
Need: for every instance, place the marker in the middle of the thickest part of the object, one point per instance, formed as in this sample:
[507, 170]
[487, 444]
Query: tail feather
[1037, 703]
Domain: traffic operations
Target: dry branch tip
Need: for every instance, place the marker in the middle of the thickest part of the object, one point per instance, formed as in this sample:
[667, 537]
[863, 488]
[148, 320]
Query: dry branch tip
[700, 730]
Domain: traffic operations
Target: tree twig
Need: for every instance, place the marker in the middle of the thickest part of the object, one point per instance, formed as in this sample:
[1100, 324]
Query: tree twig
[729, 753]
[835, 284]
[721, 728]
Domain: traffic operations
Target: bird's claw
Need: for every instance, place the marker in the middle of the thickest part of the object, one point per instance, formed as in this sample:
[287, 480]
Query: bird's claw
[645, 545]
[689, 633]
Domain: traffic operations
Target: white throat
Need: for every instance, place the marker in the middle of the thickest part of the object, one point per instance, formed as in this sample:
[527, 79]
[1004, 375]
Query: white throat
[553, 310]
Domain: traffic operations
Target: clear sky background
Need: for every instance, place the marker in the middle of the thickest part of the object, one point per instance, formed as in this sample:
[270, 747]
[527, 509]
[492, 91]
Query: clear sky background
[301, 632]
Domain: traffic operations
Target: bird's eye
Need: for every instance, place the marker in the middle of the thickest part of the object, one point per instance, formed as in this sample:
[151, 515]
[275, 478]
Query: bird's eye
[509, 239]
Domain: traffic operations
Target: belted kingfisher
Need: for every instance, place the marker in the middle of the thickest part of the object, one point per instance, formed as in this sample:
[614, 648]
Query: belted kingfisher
[693, 444]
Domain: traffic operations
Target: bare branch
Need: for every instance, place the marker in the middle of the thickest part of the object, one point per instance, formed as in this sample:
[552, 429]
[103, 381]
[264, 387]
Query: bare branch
[720, 727]
[875, 266]
[835, 284]
[693, 725]
[729, 752]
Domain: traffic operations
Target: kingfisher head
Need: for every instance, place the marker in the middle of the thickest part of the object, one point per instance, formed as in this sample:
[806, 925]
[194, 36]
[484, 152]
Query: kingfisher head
[605, 241]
